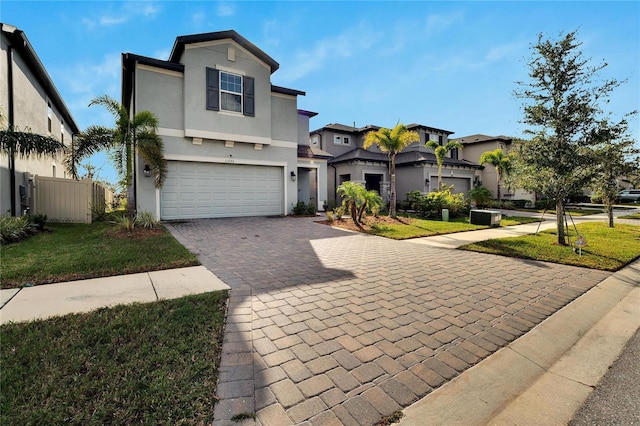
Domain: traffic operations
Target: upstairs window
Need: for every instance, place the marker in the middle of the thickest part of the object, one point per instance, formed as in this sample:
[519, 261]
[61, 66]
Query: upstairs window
[345, 140]
[230, 92]
[49, 114]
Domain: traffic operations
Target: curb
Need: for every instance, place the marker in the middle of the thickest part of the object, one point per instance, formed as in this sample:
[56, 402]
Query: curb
[544, 376]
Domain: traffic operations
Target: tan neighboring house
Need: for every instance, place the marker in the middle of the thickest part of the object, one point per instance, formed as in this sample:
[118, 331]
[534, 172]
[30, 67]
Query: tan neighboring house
[474, 147]
[416, 165]
[29, 101]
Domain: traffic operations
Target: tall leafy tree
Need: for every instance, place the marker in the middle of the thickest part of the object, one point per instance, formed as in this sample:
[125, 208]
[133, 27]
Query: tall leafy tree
[391, 141]
[562, 108]
[24, 144]
[130, 134]
[501, 161]
[440, 152]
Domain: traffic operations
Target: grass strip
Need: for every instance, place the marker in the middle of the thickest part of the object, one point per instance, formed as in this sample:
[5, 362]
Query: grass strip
[608, 249]
[78, 251]
[153, 363]
[416, 228]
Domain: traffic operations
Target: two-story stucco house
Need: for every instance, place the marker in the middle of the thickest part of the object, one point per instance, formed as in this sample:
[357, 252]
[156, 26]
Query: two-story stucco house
[416, 165]
[29, 101]
[236, 145]
[474, 147]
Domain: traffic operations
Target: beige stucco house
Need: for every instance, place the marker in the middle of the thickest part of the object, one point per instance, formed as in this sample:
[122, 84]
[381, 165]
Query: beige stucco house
[474, 147]
[236, 145]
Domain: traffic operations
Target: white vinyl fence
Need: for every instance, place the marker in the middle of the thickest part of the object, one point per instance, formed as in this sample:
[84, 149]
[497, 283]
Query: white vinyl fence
[67, 200]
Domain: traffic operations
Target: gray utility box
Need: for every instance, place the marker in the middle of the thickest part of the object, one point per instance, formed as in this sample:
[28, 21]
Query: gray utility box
[485, 217]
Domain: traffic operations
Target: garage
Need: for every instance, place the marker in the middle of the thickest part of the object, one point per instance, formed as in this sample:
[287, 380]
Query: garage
[211, 190]
[460, 185]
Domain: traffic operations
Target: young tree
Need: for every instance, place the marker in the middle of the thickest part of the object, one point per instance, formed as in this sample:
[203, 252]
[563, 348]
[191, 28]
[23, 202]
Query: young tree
[129, 135]
[614, 156]
[25, 144]
[357, 200]
[562, 106]
[440, 153]
[501, 161]
[392, 142]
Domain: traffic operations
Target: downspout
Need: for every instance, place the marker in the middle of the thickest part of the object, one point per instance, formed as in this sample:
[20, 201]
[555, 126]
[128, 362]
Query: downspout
[11, 119]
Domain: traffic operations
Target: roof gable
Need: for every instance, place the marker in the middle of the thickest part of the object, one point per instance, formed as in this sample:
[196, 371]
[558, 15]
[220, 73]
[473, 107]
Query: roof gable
[182, 41]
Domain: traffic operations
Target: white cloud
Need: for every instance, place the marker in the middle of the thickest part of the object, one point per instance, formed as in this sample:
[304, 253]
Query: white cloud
[440, 23]
[225, 9]
[128, 11]
[349, 43]
[162, 54]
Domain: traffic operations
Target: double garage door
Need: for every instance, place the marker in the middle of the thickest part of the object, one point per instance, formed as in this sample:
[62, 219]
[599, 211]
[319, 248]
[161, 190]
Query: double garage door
[211, 190]
[460, 185]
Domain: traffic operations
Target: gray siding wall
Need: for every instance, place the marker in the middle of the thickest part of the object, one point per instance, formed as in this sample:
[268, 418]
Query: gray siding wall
[30, 114]
[180, 104]
[214, 55]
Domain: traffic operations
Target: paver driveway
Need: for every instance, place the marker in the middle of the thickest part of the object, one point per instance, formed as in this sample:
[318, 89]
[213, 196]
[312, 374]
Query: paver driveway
[329, 327]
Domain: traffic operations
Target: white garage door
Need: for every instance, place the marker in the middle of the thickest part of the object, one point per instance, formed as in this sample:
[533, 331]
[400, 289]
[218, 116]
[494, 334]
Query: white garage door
[209, 190]
[459, 184]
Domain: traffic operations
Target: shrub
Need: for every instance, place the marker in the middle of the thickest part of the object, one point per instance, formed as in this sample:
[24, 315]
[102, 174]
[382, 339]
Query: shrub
[544, 204]
[39, 221]
[330, 216]
[519, 204]
[146, 220]
[125, 222]
[311, 209]
[339, 212]
[299, 209]
[480, 195]
[431, 204]
[13, 229]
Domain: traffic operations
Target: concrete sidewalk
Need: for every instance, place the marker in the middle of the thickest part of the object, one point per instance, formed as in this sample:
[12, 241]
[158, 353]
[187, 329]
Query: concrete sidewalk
[44, 301]
[545, 376]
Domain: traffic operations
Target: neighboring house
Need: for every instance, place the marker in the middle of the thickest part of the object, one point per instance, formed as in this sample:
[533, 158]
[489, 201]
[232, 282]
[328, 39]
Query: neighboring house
[236, 145]
[29, 101]
[474, 147]
[416, 165]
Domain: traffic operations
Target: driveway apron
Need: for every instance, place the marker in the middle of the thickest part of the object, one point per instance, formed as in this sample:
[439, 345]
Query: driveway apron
[328, 327]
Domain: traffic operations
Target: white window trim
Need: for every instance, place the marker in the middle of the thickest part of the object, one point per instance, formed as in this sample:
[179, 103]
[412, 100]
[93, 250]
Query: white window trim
[221, 91]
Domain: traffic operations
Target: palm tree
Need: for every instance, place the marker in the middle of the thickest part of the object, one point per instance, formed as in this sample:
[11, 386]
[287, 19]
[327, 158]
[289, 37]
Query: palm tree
[128, 136]
[357, 199]
[500, 161]
[25, 144]
[391, 142]
[440, 153]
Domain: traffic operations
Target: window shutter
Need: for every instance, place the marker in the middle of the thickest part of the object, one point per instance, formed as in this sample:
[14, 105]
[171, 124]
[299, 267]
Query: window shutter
[249, 96]
[213, 98]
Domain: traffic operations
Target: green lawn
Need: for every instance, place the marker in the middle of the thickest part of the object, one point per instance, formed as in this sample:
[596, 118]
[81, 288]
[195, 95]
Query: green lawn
[153, 363]
[425, 228]
[631, 216]
[77, 251]
[608, 249]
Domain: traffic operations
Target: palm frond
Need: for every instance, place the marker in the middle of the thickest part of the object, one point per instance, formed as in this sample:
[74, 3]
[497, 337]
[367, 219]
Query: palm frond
[26, 144]
[151, 148]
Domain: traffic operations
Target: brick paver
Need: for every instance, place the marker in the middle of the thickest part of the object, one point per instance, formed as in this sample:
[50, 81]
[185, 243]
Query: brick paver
[330, 327]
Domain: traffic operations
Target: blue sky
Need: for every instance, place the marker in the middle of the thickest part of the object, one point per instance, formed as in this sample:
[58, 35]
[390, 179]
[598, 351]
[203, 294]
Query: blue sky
[451, 65]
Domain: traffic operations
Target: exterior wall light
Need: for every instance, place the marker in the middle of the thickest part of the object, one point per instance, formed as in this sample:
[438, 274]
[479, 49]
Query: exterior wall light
[293, 176]
[147, 171]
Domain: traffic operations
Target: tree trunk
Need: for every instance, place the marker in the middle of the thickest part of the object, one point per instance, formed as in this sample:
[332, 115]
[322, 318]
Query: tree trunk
[498, 187]
[608, 207]
[392, 189]
[560, 221]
